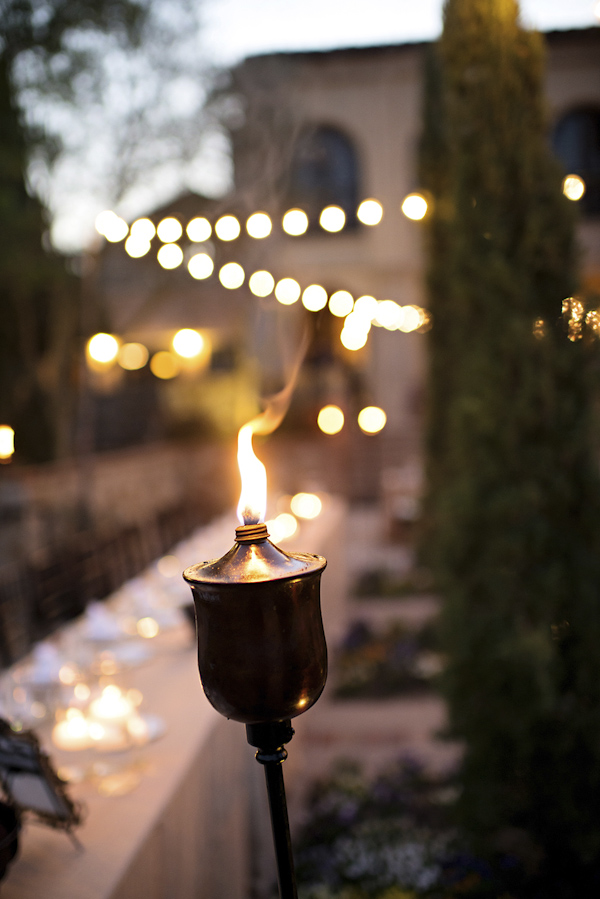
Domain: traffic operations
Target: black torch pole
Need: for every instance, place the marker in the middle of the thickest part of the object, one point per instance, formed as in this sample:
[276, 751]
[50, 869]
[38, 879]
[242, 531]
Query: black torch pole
[269, 739]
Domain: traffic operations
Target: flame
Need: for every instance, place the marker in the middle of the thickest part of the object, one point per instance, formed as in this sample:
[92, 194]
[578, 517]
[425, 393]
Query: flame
[252, 506]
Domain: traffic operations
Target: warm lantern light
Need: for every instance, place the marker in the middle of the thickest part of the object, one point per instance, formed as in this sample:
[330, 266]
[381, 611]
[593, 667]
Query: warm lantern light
[412, 318]
[147, 628]
[287, 291]
[332, 219]
[314, 298]
[111, 706]
[132, 356]
[169, 229]
[354, 339]
[573, 187]
[295, 222]
[72, 733]
[164, 365]
[253, 497]
[371, 419]
[227, 227]
[232, 275]
[136, 246]
[7, 443]
[330, 419]
[188, 343]
[261, 283]
[198, 229]
[111, 226]
[103, 348]
[414, 207]
[306, 505]
[370, 212]
[143, 229]
[341, 303]
[259, 225]
[201, 266]
[170, 255]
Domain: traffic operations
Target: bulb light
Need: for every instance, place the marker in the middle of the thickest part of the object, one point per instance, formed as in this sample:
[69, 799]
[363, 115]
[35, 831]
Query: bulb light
[103, 348]
[259, 225]
[370, 212]
[314, 298]
[136, 246]
[188, 343]
[353, 339]
[365, 307]
[413, 317]
[330, 420]
[227, 227]
[132, 356]
[169, 230]
[111, 226]
[371, 420]
[201, 266]
[7, 442]
[232, 275]
[306, 505]
[573, 187]
[287, 291]
[332, 219]
[143, 229]
[341, 303]
[198, 229]
[164, 365]
[295, 222]
[261, 283]
[170, 255]
[414, 207]
[389, 315]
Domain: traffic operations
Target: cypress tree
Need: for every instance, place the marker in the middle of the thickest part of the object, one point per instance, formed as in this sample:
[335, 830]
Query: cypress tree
[513, 510]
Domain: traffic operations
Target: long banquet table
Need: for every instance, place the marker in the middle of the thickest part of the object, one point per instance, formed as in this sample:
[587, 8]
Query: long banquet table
[196, 825]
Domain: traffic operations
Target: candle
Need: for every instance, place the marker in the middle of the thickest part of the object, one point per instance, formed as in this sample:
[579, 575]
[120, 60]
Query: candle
[72, 733]
[111, 707]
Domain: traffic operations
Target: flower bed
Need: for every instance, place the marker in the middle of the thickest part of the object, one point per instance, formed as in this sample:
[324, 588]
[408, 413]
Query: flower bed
[395, 662]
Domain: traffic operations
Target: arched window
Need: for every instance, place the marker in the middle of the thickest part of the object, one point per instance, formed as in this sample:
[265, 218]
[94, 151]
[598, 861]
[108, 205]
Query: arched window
[576, 142]
[324, 172]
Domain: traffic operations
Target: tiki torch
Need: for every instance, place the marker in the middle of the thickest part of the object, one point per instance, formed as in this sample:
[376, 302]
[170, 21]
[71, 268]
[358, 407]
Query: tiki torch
[262, 654]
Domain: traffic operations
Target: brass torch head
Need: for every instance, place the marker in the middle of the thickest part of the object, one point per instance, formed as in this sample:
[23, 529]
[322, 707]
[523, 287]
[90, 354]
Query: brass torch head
[262, 654]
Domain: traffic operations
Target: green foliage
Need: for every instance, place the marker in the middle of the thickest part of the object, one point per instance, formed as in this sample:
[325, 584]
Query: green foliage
[512, 512]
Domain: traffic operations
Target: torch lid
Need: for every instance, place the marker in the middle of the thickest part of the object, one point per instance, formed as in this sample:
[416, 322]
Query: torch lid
[252, 563]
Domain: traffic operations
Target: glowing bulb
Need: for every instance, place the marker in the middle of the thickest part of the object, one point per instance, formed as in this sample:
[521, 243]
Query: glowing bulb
[7, 442]
[261, 283]
[259, 225]
[111, 226]
[306, 505]
[366, 307]
[341, 303]
[353, 339]
[201, 266]
[573, 187]
[147, 628]
[227, 227]
[132, 356]
[103, 348]
[332, 219]
[170, 255]
[136, 246]
[231, 275]
[295, 222]
[169, 230]
[188, 343]
[253, 497]
[370, 212]
[143, 229]
[330, 419]
[371, 419]
[314, 298]
[389, 315]
[198, 229]
[164, 365]
[412, 318]
[282, 527]
[287, 291]
[414, 207]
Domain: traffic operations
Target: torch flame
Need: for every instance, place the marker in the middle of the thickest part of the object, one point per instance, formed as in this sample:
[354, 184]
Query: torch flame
[252, 506]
